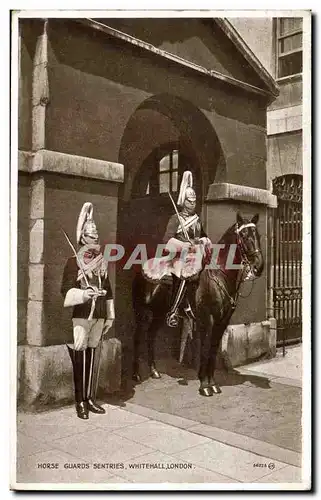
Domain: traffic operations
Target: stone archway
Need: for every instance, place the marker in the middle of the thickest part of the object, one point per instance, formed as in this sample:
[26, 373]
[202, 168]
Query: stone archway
[165, 118]
[162, 126]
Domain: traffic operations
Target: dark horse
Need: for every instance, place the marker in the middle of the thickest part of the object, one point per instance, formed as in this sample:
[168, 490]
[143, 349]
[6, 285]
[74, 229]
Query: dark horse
[216, 294]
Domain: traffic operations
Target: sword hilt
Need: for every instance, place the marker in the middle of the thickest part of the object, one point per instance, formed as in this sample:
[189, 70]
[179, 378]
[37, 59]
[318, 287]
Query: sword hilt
[98, 293]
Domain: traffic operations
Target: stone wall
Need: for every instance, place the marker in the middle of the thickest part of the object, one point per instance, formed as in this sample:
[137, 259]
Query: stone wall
[79, 90]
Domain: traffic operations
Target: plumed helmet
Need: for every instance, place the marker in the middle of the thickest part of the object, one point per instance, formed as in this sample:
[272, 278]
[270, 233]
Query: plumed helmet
[85, 216]
[186, 188]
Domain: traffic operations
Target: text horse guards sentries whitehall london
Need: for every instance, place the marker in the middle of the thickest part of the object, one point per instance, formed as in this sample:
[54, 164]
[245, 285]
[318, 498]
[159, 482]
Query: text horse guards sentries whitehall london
[204, 291]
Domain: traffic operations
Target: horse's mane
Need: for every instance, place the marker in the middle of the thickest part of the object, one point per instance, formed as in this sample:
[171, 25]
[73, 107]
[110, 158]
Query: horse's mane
[228, 236]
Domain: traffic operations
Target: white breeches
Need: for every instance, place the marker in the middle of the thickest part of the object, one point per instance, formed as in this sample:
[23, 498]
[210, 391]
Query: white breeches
[87, 333]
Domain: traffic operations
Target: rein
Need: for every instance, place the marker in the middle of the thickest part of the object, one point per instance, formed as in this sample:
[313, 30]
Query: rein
[246, 265]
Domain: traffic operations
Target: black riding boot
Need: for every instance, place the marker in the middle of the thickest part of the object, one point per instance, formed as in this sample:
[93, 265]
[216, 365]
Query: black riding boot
[78, 359]
[190, 308]
[179, 289]
[91, 382]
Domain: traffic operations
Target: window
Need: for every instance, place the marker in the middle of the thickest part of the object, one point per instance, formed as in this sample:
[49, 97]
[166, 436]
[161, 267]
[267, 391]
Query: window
[168, 172]
[161, 172]
[289, 46]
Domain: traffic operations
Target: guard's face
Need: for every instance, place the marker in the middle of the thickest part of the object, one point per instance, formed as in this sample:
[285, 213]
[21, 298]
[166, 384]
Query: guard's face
[190, 201]
[90, 234]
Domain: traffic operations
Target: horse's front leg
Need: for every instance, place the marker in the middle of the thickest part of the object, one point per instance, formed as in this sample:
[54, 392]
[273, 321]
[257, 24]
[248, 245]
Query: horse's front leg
[151, 341]
[217, 333]
[143, 318]
[205, 332]
[136, 347]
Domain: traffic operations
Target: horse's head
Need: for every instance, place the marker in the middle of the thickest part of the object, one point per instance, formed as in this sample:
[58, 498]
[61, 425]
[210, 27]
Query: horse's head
[248, 240]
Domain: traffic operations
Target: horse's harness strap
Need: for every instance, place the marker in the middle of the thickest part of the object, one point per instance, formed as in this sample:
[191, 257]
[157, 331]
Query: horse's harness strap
[225, 291]
[245, 262]
[244, 226]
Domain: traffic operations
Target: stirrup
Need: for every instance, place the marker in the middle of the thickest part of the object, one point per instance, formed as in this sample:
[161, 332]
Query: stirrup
[172, 319]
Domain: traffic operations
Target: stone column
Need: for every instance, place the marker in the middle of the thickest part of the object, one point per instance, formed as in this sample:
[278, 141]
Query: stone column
[60, 184]
[35, 318]
[40, 98]
[250, 332]
[40, 90]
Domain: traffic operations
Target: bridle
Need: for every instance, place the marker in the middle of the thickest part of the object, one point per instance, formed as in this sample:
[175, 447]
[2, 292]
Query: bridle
[247, 272]
[245, 256]
[246, 267]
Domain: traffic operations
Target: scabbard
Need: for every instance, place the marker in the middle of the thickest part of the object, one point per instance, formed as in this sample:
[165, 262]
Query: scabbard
[92, 309]
[97, 368]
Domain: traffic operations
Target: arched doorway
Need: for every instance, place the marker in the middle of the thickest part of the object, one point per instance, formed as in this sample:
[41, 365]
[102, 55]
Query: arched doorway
[150, 207]
[163, 138]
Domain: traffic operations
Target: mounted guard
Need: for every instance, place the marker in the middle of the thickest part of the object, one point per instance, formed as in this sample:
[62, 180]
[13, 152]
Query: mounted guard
[86, 288]
[217, 291]
[186, 243]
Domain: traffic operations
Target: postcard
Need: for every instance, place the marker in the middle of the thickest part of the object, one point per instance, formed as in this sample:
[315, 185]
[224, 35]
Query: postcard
[161, 239]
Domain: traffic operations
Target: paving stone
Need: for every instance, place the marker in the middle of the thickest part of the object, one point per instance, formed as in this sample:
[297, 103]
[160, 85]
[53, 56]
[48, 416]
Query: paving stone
[223, 459]
[47, 427]
[289, 366]
[119, 479]
[248, 444]
[288, 381]
[161, 437]
[175, 471]
[263, 410]
[166, 418]
[115, 419]
[27, 445]
[288, 474]
[31, 469]
[101, 445]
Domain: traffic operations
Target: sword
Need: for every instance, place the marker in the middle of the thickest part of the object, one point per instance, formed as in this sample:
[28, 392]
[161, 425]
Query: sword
[187, 331]
[93, 303]
[97, 370]
[179, 219]
[77, 258]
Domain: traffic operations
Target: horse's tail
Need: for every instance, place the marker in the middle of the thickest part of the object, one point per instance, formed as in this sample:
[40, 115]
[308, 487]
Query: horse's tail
[147, 295]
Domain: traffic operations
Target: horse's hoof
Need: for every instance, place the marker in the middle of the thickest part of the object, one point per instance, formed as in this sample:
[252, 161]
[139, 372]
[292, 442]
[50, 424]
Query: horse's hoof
[216, 389]
[155, 373]
[136, 378]
[206, 391]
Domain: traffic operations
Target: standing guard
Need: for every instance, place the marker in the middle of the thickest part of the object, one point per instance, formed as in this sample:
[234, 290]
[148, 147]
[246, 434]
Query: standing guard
[86, 287]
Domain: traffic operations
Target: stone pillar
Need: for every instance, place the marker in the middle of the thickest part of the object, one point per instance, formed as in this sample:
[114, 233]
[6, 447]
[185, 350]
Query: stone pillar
[60, 184]
[40, 98]
[35, 318]
[250, 332]
[40, 90]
